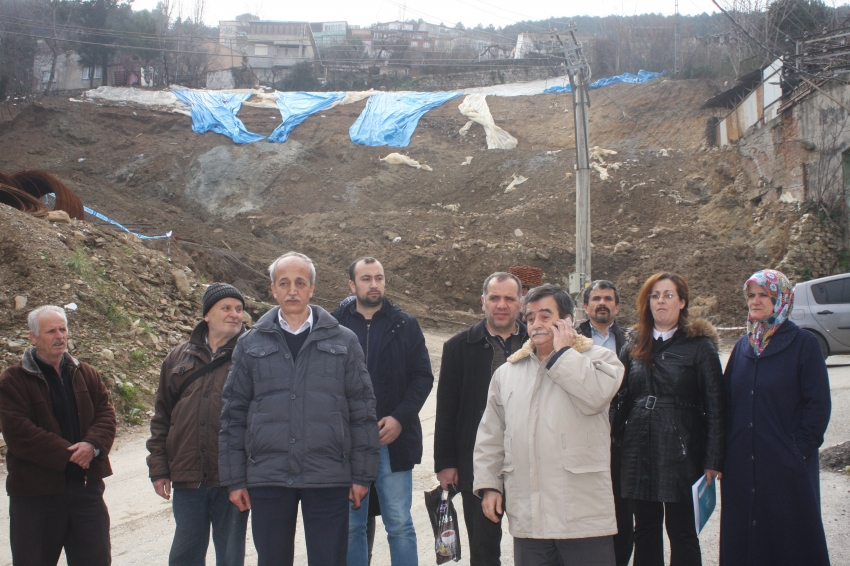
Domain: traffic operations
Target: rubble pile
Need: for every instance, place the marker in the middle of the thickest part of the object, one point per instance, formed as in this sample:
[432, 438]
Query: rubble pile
[128, 302]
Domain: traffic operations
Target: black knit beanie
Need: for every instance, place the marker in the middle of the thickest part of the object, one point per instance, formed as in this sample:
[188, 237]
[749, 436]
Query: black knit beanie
[217, 292]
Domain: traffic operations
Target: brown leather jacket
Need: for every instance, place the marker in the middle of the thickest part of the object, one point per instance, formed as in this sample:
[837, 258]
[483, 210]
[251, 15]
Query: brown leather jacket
[37, 452]
[184, 436]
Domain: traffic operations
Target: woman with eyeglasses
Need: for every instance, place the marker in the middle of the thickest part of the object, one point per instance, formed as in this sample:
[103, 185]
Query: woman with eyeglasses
[778, 407]
[670, 419]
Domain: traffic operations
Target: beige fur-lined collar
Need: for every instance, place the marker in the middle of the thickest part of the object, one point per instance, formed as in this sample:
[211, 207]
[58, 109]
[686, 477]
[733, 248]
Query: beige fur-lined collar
[580, 344]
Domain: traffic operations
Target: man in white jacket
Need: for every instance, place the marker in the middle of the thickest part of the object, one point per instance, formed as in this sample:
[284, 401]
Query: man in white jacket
[543, 446]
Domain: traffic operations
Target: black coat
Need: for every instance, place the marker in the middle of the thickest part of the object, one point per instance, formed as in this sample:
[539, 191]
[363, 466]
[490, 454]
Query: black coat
[619, 340]
[778, 408]
[465, 374]
[666, 449]
[406, 379]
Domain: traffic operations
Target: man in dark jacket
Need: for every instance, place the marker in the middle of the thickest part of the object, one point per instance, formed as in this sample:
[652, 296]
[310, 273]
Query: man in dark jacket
[59, 426]
[298, 423]
[184, 435]
[602, 305]
[469, 360]
[400, 369]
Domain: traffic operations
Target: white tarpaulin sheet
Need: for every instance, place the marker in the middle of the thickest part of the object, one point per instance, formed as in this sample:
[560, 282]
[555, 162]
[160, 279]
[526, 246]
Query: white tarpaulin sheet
[474, 107]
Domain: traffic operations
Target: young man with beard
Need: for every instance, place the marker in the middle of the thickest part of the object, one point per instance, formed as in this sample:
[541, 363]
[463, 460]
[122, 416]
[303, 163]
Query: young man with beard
[602, 305]
[400, 369]
[469, 360]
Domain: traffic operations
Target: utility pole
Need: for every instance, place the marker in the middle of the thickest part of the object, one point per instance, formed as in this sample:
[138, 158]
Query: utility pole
[578, 72]
[676, 42]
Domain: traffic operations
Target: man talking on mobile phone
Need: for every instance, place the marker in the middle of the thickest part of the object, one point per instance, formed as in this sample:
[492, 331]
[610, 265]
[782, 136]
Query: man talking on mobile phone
[543, 443]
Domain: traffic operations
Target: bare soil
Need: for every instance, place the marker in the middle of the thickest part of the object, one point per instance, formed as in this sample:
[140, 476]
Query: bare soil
[234, 208]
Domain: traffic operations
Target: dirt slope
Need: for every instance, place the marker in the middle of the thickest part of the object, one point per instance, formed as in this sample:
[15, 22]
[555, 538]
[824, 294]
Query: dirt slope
[690, 210]
[128, 304]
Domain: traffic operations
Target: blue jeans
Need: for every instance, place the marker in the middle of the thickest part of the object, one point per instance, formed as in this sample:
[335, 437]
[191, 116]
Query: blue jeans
[395, 492]
[194, 511]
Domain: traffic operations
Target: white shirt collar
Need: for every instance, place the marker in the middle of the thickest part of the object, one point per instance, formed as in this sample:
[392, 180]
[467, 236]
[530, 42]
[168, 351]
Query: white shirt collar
[664, 335]
[308, 324]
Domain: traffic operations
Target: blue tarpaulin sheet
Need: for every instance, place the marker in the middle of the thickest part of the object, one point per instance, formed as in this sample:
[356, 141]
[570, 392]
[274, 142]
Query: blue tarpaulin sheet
[217, 111]
[641, 77]
[96, 214]
[295, 107]
[391, 117]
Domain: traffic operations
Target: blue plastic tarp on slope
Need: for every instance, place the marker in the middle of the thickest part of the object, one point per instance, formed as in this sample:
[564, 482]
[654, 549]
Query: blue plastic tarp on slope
[295, 107]
[641, 77]
[391, 117]
[217, 111]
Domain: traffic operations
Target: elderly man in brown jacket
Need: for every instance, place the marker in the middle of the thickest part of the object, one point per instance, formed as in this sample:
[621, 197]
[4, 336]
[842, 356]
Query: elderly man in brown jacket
[59, 426]
[184, 435]
[543, 442]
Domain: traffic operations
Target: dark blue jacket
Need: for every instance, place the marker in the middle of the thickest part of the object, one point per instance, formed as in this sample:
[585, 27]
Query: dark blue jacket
[298, 422]
[401, 376]
[777, 410]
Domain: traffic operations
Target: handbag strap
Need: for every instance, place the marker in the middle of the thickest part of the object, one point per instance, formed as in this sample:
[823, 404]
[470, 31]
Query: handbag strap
[195, 375]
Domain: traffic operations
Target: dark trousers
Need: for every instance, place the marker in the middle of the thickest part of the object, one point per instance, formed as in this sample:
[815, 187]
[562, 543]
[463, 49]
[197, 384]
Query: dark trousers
[195, 510]
[77, 520]
[325, 515]
[625, 538]
[485, 536]
[649, 538]
[594, 551]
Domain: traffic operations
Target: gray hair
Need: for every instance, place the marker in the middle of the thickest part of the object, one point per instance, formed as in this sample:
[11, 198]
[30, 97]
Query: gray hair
[32, 318]
[501, 276]
[300, 256]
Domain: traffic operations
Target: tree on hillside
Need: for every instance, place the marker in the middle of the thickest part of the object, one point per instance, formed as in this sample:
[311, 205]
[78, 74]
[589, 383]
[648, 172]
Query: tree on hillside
[17, 49]
[301, 77]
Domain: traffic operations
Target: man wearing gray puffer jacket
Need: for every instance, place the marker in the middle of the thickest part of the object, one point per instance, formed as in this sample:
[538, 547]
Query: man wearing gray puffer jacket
[298, 423]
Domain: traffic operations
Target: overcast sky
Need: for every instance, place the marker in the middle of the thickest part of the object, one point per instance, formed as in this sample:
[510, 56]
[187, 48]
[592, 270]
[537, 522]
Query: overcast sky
[471, 12]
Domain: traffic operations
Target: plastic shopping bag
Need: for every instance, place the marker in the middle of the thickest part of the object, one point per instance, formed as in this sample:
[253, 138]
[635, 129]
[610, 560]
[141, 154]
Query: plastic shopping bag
[444, 522]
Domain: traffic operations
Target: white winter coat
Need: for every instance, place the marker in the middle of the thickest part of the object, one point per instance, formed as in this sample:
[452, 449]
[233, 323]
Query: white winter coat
[544, 442]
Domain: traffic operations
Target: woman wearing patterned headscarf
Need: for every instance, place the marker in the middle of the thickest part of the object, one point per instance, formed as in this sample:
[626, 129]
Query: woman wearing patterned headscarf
[777, 410]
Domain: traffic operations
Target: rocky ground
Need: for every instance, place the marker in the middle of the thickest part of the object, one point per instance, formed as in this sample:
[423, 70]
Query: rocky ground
[670, 203]
[128, 304]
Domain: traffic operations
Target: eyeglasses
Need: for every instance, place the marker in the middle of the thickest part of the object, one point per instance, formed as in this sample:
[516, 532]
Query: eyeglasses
[657, 296]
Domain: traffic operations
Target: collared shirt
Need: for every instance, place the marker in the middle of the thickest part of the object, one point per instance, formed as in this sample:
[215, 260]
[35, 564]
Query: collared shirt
[607, 340]
[502, 349]
[664, 335]
[308, 324]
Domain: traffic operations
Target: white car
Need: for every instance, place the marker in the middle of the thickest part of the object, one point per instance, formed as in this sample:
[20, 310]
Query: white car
[822, 306]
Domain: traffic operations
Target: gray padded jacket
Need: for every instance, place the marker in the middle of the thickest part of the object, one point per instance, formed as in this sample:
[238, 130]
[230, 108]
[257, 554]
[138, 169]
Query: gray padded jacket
[305, 424]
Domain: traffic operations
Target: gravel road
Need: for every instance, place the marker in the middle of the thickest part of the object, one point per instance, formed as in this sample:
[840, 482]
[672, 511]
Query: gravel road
[142, 524]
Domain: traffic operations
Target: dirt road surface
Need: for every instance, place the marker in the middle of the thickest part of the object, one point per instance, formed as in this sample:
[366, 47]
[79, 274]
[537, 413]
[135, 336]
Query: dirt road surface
[143, 526]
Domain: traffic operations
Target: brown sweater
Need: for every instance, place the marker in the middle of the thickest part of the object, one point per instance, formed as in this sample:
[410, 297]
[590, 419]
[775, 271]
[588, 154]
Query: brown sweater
[184, 436]
[37, 452]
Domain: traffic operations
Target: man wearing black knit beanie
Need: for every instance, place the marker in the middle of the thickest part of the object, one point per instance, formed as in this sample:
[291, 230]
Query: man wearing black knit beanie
[184, 435]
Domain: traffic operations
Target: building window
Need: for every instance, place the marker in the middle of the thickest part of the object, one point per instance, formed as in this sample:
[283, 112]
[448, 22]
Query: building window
[414, 44]
[426, 45]
[261, 50]
[87, 73]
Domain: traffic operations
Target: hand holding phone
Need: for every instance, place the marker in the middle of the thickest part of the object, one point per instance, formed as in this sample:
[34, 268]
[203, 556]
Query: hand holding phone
[563, 333]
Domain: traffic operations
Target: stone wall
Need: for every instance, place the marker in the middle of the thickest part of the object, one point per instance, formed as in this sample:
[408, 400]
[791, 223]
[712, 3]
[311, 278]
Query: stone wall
[814, 245]
[486, 78]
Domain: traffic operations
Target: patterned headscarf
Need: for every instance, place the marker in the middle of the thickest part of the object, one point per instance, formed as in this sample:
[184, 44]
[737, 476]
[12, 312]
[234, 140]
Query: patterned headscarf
[782, 294]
